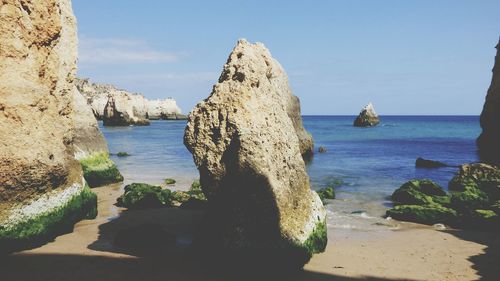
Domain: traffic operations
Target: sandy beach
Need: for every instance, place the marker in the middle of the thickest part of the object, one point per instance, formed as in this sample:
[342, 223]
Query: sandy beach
[414, 252]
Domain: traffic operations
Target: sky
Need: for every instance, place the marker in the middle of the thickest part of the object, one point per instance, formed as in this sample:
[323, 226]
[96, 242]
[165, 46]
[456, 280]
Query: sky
[427, 57]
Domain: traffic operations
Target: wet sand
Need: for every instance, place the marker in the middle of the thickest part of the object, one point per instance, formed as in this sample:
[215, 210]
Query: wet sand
[411, 253]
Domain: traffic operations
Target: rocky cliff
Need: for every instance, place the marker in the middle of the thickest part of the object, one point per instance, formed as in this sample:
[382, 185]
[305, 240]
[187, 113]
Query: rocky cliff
[123, 109]
[41, 184]
[98, 94]
[162, 109]
[367, 117]
[246, 147]
[489, 140]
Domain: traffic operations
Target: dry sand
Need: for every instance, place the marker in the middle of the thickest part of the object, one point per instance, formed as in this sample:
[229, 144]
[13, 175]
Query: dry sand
[412, 253]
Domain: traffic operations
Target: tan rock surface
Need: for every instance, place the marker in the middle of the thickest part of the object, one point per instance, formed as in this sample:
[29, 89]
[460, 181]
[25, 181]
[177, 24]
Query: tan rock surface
[248, 154]
[38, 50]
[124, 109]
[88, 138]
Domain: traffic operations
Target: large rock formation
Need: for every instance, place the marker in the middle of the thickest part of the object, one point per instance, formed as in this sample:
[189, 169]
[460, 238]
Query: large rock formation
[90, 147]
[124, 109]
[162, 109]
[489, 140]
[367, 117]
[248, 153]
[41, 184]
[98, 94]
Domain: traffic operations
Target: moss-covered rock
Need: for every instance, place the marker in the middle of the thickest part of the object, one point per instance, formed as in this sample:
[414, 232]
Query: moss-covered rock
[484, 219]
[144, 196]
[326, 193]
[469, 200]
[419, 192]
[317, 241]
[122, 154]
[195, 191]
[99, 170]
[179, 197]
[480, 174]
[37, 229]
[170, 181]
[426, 214]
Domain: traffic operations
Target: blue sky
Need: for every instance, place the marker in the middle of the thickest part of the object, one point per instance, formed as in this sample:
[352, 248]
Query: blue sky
[407, 57]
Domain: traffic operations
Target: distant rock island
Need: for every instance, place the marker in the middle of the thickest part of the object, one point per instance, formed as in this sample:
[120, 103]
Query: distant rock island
[367, 117]
[118, 107]
[489, 140]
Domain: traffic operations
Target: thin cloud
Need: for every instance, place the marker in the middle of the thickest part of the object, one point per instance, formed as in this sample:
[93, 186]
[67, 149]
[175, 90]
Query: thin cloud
[122, 51]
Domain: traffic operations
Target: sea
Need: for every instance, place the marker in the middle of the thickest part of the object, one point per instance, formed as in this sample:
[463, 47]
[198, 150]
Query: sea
[365, 165]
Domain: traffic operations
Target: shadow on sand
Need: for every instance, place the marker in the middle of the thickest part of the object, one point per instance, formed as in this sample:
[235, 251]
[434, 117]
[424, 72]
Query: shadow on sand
[155, 244]
[487, 264]
[143, 245]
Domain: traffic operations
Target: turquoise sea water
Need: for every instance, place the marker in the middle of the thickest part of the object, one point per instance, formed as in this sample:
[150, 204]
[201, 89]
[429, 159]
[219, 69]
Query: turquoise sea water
[368, 163]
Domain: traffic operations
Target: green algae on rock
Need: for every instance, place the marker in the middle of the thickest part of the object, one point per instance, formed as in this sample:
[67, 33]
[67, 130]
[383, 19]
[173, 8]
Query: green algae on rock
[144, 196]
[50, 215]
[170, 181]
[419, 192]
[99, 170]
[481, 174]
[179, 198]
[473, 200]
[426, 214]
[469, 200]
[326, 193]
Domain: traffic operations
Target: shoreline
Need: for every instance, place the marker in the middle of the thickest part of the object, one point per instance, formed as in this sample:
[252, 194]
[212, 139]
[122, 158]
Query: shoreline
[414, 252]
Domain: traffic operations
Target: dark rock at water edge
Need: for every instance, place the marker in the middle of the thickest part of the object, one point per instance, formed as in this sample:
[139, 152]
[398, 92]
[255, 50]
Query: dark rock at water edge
[424, 163]
[489, 140]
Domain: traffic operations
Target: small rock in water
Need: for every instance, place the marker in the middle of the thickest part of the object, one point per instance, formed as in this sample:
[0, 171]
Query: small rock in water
[367, 117]
[439, 226]
[322, 149]
[424, 163]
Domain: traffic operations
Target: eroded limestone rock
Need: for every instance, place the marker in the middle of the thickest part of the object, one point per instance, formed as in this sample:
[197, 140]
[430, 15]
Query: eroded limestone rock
[248, 152]
[124, 109]
[41, 185]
